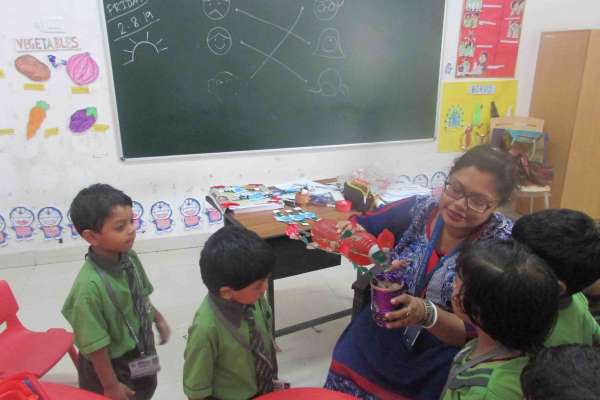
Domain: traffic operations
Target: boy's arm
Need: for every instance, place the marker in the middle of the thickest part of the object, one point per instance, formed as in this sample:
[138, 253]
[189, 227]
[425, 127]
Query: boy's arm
[595, 329]
[113, 389]
[164, 331]
[200, 356]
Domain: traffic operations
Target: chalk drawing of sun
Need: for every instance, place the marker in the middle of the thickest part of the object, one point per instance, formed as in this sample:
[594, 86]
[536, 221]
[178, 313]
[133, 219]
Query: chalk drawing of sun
[136, 45]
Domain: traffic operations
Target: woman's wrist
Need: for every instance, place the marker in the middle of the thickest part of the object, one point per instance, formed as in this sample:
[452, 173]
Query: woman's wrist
[431, 314]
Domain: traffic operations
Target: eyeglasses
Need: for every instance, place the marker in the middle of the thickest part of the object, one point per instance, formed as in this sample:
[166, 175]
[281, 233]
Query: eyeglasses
[476, 202]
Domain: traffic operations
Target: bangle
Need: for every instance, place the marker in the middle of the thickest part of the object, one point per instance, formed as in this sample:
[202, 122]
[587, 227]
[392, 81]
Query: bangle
[431, 314]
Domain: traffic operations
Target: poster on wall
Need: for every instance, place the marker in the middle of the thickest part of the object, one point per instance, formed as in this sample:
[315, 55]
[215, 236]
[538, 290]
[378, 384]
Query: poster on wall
[489, 38]
[467, 108]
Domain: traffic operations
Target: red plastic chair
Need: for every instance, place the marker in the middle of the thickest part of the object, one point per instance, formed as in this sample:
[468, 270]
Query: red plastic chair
[306, 394]
[25, 386]
[24, 350]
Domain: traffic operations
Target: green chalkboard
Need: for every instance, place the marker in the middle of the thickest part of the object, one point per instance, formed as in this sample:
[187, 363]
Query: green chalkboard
[212, 76]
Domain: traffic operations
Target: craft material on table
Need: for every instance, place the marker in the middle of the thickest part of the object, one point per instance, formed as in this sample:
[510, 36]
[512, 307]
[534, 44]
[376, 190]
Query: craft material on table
[295, 215]
[248, 198]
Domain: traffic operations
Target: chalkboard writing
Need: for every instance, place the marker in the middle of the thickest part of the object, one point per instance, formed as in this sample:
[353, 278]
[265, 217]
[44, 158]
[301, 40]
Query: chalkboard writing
[211, 76]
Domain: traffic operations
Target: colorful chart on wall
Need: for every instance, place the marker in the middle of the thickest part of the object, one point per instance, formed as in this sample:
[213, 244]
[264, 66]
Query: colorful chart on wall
[467, 108]
[489, 38]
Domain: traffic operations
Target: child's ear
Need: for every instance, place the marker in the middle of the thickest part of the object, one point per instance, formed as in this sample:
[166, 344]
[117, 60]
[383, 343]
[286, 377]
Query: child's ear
[90, 236]
[562, 288]
[226, 292]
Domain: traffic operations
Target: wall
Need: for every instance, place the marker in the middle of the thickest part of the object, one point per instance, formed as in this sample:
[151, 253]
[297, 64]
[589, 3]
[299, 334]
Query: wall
[48, 172]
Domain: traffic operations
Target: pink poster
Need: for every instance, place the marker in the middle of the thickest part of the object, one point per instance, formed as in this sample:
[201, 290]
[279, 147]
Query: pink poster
[489, 38]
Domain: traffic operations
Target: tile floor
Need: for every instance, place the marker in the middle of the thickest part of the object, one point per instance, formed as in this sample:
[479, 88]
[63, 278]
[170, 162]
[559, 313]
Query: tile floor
[40, 291]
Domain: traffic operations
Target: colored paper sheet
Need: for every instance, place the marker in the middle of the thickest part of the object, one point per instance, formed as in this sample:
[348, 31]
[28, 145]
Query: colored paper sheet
[51, 132]
[6, 131]
[2, 73]
[80, 89]
[489, 38]
[34, 86]
[466, 111]
[100, 128]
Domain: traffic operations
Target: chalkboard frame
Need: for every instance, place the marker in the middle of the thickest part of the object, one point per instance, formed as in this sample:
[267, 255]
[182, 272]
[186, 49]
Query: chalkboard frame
[229, 154]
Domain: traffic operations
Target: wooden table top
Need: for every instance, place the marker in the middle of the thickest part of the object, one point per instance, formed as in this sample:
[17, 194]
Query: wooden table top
[265, 225]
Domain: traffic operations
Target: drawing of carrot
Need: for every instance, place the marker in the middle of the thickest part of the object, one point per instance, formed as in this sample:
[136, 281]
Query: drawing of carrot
[37, 115]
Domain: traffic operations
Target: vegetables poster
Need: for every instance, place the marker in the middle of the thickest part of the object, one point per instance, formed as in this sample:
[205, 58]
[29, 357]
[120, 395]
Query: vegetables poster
[467, 108]
[489, 38]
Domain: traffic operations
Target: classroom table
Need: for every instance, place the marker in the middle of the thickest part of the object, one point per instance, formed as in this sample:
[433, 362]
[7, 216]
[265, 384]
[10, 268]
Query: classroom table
[293, 258]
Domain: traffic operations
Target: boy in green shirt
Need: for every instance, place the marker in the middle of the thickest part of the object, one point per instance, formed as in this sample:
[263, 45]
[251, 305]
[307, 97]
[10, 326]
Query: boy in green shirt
[569, 242]
[108, 305]
[511, 298]
[230, 353]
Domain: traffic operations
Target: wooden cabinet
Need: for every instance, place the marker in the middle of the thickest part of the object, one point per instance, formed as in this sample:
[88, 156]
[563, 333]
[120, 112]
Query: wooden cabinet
[566, 94]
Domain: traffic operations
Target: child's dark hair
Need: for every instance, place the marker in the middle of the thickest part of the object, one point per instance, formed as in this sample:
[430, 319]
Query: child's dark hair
[569, 242]
[503, 166]
[567, 372]
[92, 205]
[508, 292]
[236, 257]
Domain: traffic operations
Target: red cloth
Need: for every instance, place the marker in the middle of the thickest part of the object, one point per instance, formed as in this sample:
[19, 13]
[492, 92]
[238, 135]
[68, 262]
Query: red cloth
[435, 256]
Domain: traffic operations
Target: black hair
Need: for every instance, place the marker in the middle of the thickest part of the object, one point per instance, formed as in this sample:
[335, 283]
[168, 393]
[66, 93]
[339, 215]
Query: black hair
[94, 204]
[236, 257]
[566, 372]
[503, 166]
[569, 242]
[508, 292]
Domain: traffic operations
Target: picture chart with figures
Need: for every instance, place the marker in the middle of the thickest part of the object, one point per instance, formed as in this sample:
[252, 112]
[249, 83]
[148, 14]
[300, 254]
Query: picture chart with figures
[215, 76]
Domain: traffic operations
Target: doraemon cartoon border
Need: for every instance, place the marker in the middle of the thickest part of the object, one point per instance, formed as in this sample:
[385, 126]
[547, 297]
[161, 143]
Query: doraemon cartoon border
[191, 211]
[21, 219]
[214, 216]
[3, 234]
[72, 229]
[438, 180]
[138, 211]
[161, 213]
[49, 219]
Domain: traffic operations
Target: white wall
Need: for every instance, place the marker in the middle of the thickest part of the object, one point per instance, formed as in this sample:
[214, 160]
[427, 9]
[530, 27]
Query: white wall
[48, 172]
[544, 16]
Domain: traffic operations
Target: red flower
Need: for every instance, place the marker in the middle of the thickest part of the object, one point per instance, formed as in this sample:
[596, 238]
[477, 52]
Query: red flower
[292, 231]
[344, 249]
[386, 240]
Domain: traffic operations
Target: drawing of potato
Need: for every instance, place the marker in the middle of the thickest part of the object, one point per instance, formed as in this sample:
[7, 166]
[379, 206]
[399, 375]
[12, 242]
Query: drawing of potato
[32, 68]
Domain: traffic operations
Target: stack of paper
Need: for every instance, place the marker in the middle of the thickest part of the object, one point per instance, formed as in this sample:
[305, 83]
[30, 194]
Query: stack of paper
[244, 199]
[399, 191]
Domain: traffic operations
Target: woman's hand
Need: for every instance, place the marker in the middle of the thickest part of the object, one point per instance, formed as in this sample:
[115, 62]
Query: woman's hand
[397, 264]
[343, 226]
[412, 312]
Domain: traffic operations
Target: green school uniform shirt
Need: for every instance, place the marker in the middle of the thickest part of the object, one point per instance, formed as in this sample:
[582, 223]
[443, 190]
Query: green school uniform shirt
[216, 364]
[489, 380]
[575, 324]
[89, 309]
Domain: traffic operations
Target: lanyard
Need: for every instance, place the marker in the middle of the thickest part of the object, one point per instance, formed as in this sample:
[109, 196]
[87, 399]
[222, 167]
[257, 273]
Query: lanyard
[115, 301]
[235, 332]
[424, 277]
